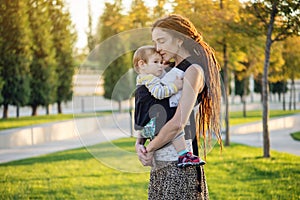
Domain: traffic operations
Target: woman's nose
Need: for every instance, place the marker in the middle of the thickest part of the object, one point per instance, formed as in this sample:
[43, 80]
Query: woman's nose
[157, 48]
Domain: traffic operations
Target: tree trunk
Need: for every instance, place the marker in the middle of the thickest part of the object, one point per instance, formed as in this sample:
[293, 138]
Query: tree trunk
[244, 108]
[34, 110]
[5, 111]
[82, 104]
[226, 82]
[120, 106]
[244, 98]
[283, 100]
[251, 85]
[47, 110]
[232, 85]
[291, 97]
[59, 110]
[294, 92]
[265, 85]
[18, 111]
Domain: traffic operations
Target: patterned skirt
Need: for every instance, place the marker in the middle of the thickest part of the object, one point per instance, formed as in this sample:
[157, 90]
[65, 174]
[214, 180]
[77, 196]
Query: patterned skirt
[167, 181]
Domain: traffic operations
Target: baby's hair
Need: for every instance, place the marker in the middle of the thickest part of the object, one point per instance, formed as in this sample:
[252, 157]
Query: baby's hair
[143, 53]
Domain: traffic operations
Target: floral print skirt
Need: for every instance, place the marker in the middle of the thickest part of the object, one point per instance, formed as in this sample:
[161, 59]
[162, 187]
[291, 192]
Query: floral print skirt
[167, 181]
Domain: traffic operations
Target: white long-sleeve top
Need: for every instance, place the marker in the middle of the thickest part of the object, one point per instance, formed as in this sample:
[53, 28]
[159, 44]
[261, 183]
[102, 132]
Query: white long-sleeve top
[163, 86]
[156, 87]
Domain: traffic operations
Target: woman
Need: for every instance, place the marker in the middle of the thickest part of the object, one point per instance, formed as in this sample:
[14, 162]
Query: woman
[177, 39]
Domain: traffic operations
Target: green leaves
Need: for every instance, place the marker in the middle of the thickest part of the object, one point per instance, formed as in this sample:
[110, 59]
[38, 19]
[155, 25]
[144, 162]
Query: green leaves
[16, 55]
[33, 43]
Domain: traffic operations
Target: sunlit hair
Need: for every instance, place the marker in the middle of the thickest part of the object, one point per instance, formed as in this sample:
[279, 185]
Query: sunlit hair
[143, 53]
[208, 120]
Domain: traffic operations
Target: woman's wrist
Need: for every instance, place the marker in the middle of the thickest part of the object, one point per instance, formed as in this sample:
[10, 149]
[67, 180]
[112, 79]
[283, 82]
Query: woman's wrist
[149, 148]
[140, 141]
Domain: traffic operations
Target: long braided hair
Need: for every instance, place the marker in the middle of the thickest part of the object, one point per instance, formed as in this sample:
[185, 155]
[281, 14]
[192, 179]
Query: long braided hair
[208, 120]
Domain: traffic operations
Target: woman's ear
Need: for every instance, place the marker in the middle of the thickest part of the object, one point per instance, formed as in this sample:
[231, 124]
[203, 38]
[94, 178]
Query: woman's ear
[179, 42]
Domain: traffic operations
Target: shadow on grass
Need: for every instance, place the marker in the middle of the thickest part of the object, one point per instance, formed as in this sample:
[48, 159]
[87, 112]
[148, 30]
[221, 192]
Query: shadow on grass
[74, 154]
[112, 149]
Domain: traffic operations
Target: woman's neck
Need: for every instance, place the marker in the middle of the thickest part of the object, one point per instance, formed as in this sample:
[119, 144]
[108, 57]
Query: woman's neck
[183, 54]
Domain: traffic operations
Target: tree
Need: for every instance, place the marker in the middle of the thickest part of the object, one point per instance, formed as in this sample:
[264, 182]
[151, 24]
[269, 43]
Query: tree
[183, 7]
[91, 41]
[159, 10]
[280, 19]
[248, 51]
[137, 17]
[15, 42]
[291, 56]
[279, 88]
[64, 38]
[43, 66]
[111, 23]
[226, 13]
[242, 87]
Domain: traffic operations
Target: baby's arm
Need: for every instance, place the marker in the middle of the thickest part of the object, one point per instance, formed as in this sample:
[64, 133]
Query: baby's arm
[160, 90]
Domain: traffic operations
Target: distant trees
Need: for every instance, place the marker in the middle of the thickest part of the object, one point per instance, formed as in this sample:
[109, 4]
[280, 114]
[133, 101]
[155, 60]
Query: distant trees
[63, 42]
[35, 52]
[37, 38]
[43, 83]
[291, 69]
[110, 24]
[16, 54]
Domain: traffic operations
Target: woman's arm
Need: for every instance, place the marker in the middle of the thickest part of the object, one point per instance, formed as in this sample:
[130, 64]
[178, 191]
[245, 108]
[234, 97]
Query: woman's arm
[193, 84]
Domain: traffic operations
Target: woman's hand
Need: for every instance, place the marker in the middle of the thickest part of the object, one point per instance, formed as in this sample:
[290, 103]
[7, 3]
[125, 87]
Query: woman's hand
[145, 157]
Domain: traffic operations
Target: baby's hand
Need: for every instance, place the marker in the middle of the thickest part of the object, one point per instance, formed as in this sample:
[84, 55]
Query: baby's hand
[178, 82]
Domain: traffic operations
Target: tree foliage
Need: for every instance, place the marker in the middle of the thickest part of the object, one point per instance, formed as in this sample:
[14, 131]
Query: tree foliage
[44, 80]
[159, 9]
[16, 55]
[137, 17]
[110, 24]
[291, 69]
[64, 38]
[91, 40]
[291, 56]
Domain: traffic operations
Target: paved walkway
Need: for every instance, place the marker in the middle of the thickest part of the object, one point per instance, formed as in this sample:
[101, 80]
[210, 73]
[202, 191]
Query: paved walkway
[280, 141]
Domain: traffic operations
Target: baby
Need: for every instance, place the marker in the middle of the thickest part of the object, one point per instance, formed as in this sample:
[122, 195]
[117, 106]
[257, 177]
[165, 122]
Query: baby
[151, 74]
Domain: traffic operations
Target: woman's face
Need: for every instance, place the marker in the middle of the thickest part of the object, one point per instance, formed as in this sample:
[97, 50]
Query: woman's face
[165, 44]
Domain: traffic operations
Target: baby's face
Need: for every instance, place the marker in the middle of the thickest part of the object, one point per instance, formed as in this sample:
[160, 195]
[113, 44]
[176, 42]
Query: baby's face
[154, 66]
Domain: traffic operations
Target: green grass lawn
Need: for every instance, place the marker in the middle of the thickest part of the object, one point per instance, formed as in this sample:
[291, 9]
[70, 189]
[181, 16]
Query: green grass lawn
[35, 120]
[239, 172]
[254, 116]
[296, 136]
[235, 118]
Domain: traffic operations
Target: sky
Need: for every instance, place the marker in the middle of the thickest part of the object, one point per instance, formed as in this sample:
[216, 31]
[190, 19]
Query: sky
[79, 14]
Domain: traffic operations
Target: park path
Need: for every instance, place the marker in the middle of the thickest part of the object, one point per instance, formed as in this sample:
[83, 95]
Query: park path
[280, 140]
